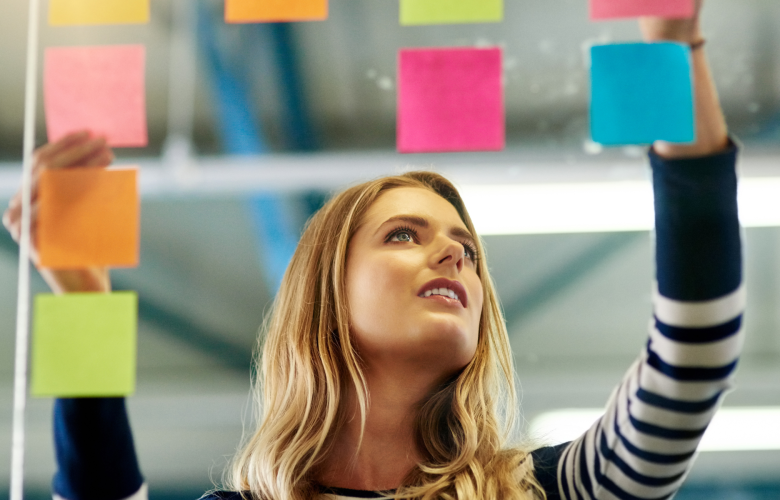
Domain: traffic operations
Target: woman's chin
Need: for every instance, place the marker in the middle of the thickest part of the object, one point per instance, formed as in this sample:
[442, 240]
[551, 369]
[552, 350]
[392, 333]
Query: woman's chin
[445, 327]
[448, 340]
[436, 341]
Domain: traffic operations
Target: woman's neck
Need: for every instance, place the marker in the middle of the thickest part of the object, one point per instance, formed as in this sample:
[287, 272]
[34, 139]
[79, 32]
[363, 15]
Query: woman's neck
[388, 451]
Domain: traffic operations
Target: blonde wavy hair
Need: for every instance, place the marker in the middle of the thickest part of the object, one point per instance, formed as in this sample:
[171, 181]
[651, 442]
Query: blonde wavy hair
[307, 359]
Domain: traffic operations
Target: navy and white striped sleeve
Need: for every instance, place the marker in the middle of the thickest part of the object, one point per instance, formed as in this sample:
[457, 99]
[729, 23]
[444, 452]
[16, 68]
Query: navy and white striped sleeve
[96, 458]
[644, 445]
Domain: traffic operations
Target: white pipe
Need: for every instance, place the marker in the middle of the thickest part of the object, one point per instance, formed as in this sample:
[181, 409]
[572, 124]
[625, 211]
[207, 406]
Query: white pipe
[23, 294]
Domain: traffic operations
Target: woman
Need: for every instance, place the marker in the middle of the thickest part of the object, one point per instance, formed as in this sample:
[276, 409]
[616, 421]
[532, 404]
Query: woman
[386, 370]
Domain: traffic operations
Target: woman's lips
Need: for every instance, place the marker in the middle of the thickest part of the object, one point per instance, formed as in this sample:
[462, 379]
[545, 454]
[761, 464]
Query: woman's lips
[455, 286]
[445, 300]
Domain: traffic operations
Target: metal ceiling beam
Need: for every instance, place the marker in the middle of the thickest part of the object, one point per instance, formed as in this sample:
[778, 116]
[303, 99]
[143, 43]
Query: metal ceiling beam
[327, 171]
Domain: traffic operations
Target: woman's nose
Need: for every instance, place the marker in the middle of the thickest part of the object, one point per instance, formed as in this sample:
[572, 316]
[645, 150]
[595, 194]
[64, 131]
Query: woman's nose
[453, 253]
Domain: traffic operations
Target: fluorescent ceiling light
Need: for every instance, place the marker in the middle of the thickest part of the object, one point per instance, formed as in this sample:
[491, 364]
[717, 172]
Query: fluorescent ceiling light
[589, 207]
[732, 429]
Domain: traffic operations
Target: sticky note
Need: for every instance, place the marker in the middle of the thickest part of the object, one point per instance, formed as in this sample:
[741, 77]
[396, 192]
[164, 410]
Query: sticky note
[97, 88]
[611, 9]
[86, 12]
[88, 217]
[415, 12]
[450, 100]
[641, 93]
[84, 344]
[264, 11]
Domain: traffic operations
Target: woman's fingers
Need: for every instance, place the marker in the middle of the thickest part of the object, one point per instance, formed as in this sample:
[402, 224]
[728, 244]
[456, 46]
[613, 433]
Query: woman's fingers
[70, 151]
[13, 205]
[68, 141]
[12, 221]
[101, 158]
[77, 154]
[78, 149]
[12, 218]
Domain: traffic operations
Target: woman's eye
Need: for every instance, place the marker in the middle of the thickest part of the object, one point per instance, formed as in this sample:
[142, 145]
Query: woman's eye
[470, 251]
[403, 236]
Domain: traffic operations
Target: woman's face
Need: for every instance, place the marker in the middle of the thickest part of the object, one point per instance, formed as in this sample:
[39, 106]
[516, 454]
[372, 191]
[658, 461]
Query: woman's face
[410, 251]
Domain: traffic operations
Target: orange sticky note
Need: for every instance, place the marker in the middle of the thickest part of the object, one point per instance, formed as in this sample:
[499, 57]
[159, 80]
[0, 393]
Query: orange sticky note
[265, 11]
[96, 88]
[86, 12]
[88, 217]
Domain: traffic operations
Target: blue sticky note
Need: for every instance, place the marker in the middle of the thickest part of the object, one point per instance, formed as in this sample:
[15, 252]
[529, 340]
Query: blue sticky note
[641, 93]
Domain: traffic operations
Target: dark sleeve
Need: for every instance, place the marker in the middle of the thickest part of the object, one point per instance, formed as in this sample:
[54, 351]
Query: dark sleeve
[96, 457]
[546, 469]
[698, 250]
[645, 443]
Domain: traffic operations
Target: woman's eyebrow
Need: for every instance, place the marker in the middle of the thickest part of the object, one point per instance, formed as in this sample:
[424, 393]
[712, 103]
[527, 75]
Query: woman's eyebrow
[423, 222]
[410, 219]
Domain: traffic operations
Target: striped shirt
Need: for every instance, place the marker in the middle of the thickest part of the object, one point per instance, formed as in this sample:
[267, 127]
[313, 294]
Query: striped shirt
[644, 444]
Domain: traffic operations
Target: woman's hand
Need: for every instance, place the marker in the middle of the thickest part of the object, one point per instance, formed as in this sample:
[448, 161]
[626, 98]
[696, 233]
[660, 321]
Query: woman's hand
[711, 131]
[686, 31]
[78, 149]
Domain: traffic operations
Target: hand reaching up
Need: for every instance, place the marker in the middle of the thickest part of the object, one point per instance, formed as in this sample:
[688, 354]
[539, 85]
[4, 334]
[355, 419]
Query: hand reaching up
[711, 129]
[76, 150]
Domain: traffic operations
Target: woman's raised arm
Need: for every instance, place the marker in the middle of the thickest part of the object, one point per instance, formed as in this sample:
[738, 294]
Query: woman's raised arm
[645, 444]
[711, 130]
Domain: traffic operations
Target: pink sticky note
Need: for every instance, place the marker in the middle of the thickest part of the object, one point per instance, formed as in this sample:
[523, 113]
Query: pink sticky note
[97, 88]
[611, 9]
[450, 100]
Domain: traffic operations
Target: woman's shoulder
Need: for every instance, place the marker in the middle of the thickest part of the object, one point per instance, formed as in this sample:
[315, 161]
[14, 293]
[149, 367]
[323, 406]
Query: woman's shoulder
[548, 456]
[546, 468]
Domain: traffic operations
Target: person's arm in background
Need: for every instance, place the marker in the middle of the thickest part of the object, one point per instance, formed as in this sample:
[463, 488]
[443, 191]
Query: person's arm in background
[645, 444]
[96, 457]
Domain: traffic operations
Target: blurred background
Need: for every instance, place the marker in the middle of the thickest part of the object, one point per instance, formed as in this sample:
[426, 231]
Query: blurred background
[253, 127]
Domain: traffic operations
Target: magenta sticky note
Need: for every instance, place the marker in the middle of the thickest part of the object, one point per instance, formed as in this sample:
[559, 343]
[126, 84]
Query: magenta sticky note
[611, 9]
[97, 88]
[450, 100]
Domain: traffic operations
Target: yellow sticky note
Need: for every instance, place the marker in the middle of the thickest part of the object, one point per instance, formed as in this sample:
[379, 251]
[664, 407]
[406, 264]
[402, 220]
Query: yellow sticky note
[84, 344]
[416, 12]
[84, 12]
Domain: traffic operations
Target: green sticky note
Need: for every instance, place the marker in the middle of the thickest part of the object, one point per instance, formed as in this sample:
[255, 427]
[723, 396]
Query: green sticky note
[84, 344]
[416, 12]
